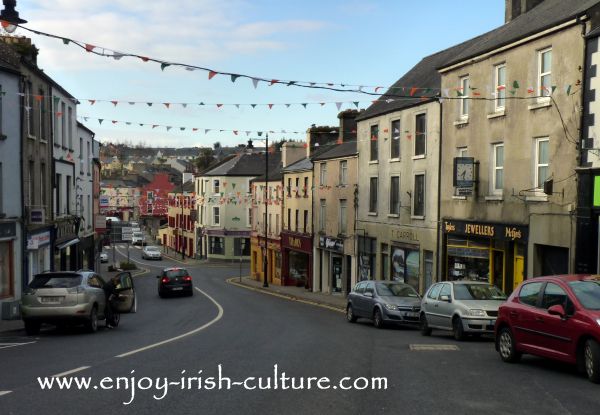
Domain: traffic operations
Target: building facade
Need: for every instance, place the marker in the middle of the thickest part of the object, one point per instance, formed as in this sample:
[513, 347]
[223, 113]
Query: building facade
[84, 192]
[180, 235]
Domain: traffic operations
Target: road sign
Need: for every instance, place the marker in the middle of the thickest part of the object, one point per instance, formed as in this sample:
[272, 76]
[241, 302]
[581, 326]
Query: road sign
[127, 233]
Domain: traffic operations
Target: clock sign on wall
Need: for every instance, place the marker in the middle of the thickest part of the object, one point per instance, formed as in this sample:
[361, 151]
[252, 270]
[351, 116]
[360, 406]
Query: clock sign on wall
[464, 171]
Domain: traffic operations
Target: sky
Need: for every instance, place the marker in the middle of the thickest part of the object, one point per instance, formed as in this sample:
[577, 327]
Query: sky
[362, 43]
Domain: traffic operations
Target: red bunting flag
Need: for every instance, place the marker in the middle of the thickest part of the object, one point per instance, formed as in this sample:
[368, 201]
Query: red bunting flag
[373, 138]
[501, 87]
[167, 104]
[273, 81]
[89, 47]
[270, 106]
[413, 90]
[211, 74]
[59, 114]
[145, 59]
[115, 103]
[92, 101]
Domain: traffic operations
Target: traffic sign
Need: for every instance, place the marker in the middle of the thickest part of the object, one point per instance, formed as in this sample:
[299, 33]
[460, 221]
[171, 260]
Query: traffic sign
[127, 233]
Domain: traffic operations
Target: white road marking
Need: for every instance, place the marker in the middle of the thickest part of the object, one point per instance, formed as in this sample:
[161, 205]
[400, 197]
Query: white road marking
[7, 345]
[68, 372]
[181, 336]
[430, 347]
[2, 393]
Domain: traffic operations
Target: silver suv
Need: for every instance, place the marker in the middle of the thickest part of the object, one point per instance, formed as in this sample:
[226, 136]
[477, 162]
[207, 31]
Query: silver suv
[65, 296]
[463, 307]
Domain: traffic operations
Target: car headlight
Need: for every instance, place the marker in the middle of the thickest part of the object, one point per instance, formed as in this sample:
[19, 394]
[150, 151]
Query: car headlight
[477, 313]
[598, 321]
[391, 307]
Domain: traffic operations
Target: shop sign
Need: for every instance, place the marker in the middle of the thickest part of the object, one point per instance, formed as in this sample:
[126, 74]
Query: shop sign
[8, 230]
[488, 230]
[36, 216]
[332, 244]
[296, 242]
[37, 240]
[104, 201]
[100, 223]
[404, 235]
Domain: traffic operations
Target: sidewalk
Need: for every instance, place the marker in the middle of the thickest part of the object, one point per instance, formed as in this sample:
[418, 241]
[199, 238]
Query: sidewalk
[334, 301]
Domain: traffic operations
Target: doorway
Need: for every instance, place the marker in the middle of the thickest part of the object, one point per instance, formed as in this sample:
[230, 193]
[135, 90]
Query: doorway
[498, 269]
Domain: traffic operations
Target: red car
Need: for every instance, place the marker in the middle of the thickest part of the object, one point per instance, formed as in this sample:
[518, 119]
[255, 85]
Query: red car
[556, 317]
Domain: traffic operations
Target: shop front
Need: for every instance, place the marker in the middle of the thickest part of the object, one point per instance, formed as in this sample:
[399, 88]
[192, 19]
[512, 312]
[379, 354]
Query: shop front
[274, 259]
[483, 251]
[38, 253]
[66, 245]
[335, 266]
[296, 260]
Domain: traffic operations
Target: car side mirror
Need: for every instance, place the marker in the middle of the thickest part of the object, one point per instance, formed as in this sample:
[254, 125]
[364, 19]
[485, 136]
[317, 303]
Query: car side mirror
[445, 298]
[368, 294]
[557, 310]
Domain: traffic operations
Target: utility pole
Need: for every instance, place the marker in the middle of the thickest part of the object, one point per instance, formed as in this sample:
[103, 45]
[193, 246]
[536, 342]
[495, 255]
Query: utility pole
[181, 222]
[266, 260]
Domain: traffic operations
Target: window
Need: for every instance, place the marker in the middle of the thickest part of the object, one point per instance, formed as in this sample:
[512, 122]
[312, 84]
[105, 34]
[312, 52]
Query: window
[70, 121]
[88, 159]
[297, 186]
[81, 155]
[322, 215]
[344, 172]
[373, 195]
[58, 207]
[1, 183]
[395, 142]
[464, 97]
[270, 223]
[323, 174]
[249, 217]
[216, 245]
[545, 72]
[68, 198]
[306, 221]
[276, 224]
[42, 184]
[419, 195]
[1, 94]
[63, 128]
[497, 168]
[529, 293]
[29, 109]
[216, 186]
[216, 216]
[343, 221]
[395, 195]
[241, 246]
[374, 140]
[297, 217]
[541, 161]
[500, 82]
[305, 190]
[420, 134]
[289, 188]
[41, 115]
[434, 291]
[289, 220]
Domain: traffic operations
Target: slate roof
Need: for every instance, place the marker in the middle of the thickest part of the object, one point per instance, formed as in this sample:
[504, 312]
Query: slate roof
[300, 165]
[340, 150]
[547, 14]
[275, 175]
[245, 164]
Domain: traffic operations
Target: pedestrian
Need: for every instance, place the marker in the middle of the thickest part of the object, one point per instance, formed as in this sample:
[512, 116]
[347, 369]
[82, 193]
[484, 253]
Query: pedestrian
[110, 289]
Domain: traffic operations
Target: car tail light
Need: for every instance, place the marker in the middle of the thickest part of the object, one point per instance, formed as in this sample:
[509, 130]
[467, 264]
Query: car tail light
[29, 291]
[187, 278]
[75, 290]
[164, 280]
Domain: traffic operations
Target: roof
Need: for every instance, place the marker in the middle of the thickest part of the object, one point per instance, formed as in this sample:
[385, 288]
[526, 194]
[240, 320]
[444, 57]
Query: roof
[275, 174]
[548, 14]
[300, 165]
[347, 149]
[246, 164]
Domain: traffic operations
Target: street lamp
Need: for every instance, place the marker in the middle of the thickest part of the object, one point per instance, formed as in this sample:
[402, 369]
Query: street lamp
[265, 260]
[181, 222]
[10, 16]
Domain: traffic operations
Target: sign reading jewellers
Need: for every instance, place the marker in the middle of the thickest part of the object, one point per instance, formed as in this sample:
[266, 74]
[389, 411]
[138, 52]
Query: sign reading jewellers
[502, 231]
[333, 244]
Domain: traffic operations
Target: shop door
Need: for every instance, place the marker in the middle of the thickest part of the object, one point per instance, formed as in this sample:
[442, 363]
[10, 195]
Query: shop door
[519, 267]
[498, 269]
[336, 273]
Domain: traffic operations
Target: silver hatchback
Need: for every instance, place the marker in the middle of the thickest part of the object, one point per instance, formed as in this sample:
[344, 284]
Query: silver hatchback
[463, 307]
[79, 297]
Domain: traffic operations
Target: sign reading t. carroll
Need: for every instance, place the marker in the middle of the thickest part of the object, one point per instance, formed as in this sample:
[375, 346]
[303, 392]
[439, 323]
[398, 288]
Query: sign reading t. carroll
[487, 230]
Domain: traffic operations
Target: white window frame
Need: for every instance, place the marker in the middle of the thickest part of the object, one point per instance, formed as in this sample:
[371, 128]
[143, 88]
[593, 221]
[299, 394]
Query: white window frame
[216, 219]
[415, 216]
[395, 139]
[495, 168]
[464, 101]
[343, 172]
[500, 88]
[322, 174]
[216, 189]
[544, 95]
[537, 163]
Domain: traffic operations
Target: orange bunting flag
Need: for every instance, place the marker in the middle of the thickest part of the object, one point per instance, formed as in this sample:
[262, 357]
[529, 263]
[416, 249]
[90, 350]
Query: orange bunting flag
[211, 74]
[413, 90]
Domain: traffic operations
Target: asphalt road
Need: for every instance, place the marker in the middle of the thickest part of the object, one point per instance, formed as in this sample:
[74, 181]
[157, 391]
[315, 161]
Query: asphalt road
[247, 333]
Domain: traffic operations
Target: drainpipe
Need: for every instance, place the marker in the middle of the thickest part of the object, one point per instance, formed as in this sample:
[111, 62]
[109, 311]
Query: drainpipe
[439, 199]
[25, 258]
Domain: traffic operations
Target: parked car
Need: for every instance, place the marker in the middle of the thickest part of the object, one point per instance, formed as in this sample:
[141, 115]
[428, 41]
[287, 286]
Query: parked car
[103, 257]
[137, 238]
[72, 297]
[151, 252]
[383, 302]
[463, 307]
[557, 317]
[175, 281]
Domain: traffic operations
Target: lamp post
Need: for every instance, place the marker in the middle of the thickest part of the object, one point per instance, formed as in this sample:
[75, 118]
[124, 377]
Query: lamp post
[10, 16]
[181, 222]
[266, 222]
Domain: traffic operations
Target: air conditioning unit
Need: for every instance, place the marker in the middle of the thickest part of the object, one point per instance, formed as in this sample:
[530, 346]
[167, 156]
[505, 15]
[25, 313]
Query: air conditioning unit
[11, 310]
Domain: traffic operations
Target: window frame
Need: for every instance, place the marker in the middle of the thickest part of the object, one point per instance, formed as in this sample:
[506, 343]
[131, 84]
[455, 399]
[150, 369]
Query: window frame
[343, 179]
[495, 168]
[343, 216]
[500, 88]
[217, 216]
[373, 194]
[463, 111]
[544, 95]
[422, 135]
[322, 214]
[374, 143]
[415, 214]
[323, 173]
[395, 140]
[537, 164]
[216, 189]
[394, 204]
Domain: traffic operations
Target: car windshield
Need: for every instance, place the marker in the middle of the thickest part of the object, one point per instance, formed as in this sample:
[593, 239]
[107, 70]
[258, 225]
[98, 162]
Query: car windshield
[55, 281]
[176, 273]
[389, 289]
[477, 292]
[588, 293]
[151, 248]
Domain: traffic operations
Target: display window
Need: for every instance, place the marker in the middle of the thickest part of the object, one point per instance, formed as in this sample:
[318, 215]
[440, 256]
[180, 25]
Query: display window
[405, 265]
[298, 267]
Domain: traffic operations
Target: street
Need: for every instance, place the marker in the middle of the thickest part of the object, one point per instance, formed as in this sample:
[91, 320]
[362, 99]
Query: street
[254, 332]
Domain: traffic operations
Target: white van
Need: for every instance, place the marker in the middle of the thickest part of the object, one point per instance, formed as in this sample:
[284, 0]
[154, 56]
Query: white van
[137, 238]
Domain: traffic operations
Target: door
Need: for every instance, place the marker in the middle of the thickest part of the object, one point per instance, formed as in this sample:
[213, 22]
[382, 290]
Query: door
[444, 309]
[522, 313]
[336, 268]
[498, 269]
[429, 302]
[125, 301]
[519, 267]
[358, 299]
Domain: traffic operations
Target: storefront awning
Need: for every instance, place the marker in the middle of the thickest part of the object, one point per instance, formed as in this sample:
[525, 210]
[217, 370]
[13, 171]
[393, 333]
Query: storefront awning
[67, 243]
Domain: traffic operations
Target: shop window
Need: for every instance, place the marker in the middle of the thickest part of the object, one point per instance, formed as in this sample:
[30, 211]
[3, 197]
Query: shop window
[468, 259]
[529, 293]
[216, 245]
[367, 250]
[241, 246]
[405, 266]
[298, 267]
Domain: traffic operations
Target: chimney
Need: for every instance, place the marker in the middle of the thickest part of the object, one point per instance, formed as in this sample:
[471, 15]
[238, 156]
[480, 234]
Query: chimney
[515, 8]
[291, 152]
[348, 125]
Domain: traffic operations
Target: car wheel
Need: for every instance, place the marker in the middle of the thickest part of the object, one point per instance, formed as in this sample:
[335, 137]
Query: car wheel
[191, 292]
[425, 329]
[91, 325]
[506, 346]
[32, 327]
[161, 294]
[591, 356]
[377, 318]
[350, 314]
[457, 329]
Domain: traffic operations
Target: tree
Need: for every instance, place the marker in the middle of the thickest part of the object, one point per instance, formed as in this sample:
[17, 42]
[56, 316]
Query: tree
[205, 158]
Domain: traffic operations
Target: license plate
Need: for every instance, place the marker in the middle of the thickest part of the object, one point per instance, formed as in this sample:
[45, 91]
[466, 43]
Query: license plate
[51, 300]
[177, 288]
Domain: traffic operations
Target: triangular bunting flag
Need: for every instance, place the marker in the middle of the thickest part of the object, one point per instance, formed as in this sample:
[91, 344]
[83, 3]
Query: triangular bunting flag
[89, 48]
[145, 59]
[291, 83]
[164, 65]
[253, 105]
[92, 101]
[516, 84]
[287, 105]
[219, 105]
[166, 104]
[356, 103]
[184, 105]
[100, 120]
[66, 41]
[270, 105]
[413, 90]
[304, 105]
[234, 77]
[255, 82]
[115, 103]
[149, 104]
[169, 128]
[211, 74]
[235, 132]
[114, 122]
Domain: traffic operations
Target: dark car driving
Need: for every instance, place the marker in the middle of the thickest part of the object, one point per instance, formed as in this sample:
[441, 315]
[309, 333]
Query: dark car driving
[175, 281]
[384, 302]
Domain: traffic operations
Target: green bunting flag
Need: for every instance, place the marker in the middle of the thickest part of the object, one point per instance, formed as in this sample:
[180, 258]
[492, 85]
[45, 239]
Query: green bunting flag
[164, 65]
[516, 84]
[304, 105]
[234, 77]
[66, 41]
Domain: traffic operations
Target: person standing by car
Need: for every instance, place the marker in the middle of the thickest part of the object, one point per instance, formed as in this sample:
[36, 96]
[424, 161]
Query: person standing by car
[110, 288]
